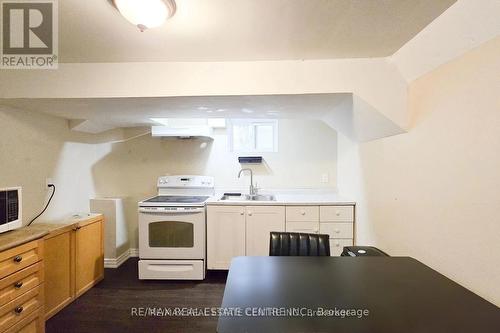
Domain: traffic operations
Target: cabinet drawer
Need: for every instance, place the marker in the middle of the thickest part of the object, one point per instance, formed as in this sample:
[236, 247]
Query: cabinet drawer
[20, 257]
[337, 246]
[337, 230]
[32, 323]
[304, 227]
[302, 213]
[21, 307]
[337, 213]
[20, 282]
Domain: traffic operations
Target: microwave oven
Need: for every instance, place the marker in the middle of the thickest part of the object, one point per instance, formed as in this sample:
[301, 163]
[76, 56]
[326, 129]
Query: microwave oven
[10, 208]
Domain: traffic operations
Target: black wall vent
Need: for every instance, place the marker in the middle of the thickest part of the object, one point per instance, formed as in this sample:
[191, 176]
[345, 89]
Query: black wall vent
[250, 159]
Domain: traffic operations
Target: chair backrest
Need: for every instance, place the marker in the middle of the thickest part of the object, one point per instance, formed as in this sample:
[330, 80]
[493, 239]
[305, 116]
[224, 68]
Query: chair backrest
[298, 244]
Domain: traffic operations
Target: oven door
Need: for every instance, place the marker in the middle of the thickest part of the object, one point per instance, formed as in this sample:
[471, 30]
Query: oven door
[172, 232]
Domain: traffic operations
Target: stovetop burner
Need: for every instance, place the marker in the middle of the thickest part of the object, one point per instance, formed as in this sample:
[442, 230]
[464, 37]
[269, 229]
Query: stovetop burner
[181, 199]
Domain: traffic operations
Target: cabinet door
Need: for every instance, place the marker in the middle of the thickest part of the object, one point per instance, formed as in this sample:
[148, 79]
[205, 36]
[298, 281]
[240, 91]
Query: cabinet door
[260, 221]
[59, 272]
[225, 235]
[89, 258]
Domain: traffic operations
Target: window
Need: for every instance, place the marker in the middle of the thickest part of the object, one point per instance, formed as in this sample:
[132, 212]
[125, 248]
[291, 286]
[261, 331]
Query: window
[253, 135]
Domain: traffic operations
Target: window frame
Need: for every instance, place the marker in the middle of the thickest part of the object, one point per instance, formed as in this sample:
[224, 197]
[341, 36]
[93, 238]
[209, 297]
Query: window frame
[253, 123]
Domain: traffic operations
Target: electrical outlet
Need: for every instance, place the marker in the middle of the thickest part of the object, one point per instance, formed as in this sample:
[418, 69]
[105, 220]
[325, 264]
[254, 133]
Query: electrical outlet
[324, 178]
[48, 182]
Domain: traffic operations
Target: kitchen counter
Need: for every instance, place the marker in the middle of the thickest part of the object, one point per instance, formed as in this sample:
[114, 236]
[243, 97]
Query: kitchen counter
[288, 198]
[19, 236]
[23, 235]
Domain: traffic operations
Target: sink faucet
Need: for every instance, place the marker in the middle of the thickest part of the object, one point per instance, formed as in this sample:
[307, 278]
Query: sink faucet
[252, 188]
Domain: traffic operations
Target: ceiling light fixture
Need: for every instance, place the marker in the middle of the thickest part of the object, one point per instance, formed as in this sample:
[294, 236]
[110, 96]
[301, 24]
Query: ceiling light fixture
[146, 14]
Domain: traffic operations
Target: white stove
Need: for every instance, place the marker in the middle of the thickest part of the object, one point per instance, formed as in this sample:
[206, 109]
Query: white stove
[172, 229]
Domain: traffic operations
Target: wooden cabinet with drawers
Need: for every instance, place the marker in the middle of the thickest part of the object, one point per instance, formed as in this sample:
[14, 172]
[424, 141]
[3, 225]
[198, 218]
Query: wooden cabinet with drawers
[40, 277]
[22, 288]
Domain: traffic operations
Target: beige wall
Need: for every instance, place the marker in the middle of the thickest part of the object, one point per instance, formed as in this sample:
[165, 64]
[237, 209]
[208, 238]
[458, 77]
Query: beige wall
[34, 147]
[433, 193]
[307, 149]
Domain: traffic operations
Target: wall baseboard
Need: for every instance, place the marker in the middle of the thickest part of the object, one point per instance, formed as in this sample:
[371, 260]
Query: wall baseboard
[116, 262]
[134, 252]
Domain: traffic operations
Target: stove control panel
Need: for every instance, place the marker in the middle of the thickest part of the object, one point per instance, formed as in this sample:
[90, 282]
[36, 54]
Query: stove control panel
[185, 181]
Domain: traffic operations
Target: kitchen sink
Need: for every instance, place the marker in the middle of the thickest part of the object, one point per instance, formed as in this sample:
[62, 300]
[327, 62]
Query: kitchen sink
[246, 197]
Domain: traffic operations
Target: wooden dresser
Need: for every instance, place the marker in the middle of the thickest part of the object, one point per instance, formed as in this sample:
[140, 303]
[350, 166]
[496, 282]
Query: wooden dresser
[22, 288]
[45, 267]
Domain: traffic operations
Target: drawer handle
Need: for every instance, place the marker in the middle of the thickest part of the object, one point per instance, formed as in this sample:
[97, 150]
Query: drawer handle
[249, 213]
[18, 285]
[18, 310]
[242, 213]
[303, 212]
[337, 231]
[18, 258]
[337, 213]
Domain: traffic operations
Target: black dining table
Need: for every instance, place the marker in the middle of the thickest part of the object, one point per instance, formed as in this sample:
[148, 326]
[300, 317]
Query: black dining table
[348, 294]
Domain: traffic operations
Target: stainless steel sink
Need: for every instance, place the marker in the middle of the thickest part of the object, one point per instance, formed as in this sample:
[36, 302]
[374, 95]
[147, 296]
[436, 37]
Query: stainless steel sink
[262, 197]
[246, 197]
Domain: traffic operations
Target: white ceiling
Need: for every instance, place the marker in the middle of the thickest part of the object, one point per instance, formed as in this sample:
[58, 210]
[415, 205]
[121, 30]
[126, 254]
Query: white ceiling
[130, 112]
[238, 30]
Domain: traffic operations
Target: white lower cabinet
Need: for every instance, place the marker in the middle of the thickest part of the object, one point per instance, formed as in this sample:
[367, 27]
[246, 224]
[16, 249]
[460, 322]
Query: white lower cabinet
[260, 221]
[337, 246]
[337, 230]
[234, 231]
[334, 220]
[225, 235]
[304, 227]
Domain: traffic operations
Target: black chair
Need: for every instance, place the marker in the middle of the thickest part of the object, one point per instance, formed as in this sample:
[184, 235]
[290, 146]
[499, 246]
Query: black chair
[298, 244]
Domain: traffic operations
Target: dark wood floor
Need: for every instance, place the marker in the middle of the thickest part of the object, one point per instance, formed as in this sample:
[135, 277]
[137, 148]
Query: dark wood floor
[107, 307]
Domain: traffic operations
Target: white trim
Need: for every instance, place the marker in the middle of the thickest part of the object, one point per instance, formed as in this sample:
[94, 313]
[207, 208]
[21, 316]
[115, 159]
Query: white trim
[134, 252]
[116, 262]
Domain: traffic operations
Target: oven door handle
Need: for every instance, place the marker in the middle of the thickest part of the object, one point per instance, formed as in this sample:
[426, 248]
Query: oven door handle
[171, 212]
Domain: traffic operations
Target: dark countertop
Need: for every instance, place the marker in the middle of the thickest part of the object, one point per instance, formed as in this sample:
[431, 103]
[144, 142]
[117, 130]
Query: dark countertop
[400, 294]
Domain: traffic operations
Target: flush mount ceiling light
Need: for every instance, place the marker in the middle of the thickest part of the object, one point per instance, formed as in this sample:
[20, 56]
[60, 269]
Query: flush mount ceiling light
[146, 14]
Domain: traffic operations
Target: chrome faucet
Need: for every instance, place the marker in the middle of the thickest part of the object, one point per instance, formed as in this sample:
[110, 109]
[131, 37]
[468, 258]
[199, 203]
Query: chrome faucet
[252, 188]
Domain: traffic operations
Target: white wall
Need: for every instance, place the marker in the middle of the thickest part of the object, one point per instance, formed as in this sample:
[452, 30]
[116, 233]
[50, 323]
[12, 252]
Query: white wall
[433, 193]
[307, 149]
[376, 81]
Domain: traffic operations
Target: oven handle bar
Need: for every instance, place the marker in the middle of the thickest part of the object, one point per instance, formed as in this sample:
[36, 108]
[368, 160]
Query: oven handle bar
[171, 212]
